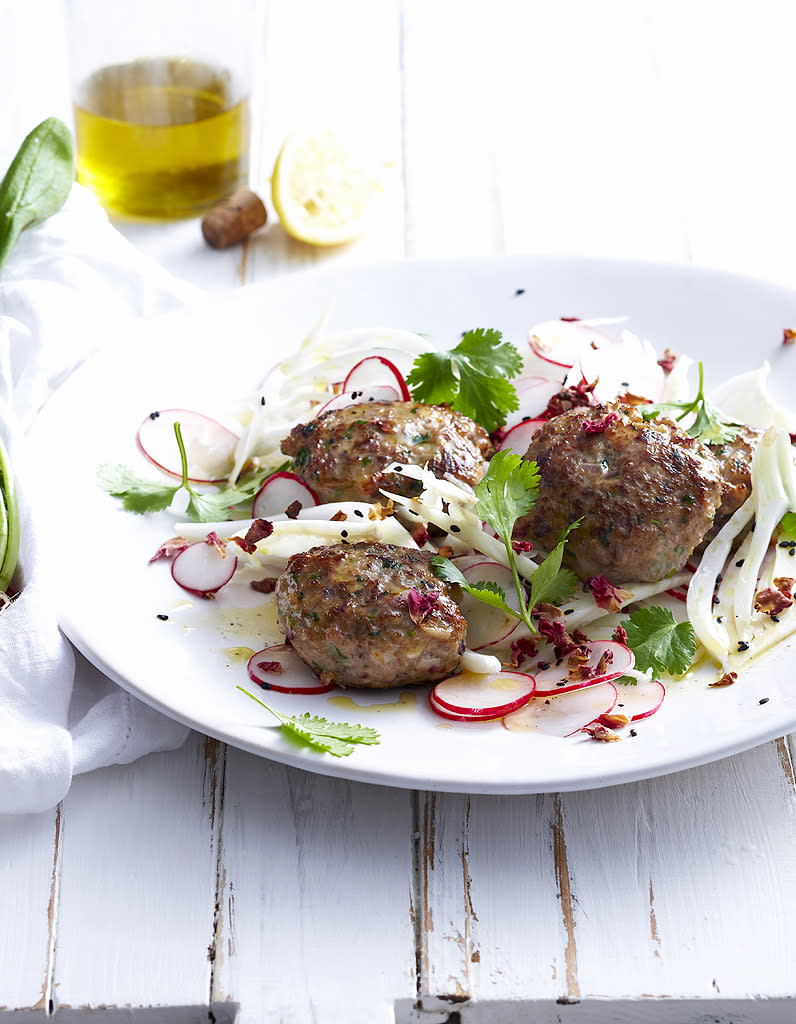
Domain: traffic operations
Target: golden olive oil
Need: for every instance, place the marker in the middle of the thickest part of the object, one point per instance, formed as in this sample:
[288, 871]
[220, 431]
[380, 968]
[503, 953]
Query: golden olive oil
[161, 138]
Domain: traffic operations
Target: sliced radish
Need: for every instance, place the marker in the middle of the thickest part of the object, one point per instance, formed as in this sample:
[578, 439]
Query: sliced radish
[279, 492]
[209, 446]
[642, 700]
[562, 342]
[377, 393]
[484, 694]
[556, 679]
[273, 666]
[203, 568]
[519, 436]
[373, 371]
[564, 714]
[456, 716]
[533, 395]
[628, 365]
[485, 624]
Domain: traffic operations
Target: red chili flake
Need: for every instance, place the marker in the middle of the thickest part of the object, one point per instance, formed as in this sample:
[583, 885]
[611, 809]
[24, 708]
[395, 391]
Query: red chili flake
[420, 535]
[522, 545]
[259, 530]
[668, 361]
[170, 548]
[421, 604]
[788, 336]
[271, 666]
[521, 650]
[598, 426]
[606, 594]
[620, 635]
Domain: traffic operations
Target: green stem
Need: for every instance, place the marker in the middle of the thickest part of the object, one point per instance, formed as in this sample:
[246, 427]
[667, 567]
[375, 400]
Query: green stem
[525, 613]
[10, 529]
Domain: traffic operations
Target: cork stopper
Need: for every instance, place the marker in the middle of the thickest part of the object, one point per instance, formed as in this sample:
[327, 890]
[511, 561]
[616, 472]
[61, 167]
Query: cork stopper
[234, 219]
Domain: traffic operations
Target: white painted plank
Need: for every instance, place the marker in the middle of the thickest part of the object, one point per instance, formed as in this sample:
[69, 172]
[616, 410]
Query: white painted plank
[138, 882]
[29, 847]
[315, 913]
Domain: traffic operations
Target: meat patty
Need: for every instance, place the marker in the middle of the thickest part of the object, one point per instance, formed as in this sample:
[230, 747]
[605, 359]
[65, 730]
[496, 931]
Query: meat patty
[735, 465]
[645, 492]
[342, 454]
[370, 615]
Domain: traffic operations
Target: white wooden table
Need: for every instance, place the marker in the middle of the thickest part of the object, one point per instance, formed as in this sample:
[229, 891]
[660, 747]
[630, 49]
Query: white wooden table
[207, 884]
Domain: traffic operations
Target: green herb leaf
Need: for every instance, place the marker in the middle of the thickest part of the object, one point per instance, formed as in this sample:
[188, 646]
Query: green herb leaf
[508, 491]
[550, 583]
[336, 738]
[710, 426]
[37, 182]
[472, 377]
[138, 494]
[487, 592]
[659, 642]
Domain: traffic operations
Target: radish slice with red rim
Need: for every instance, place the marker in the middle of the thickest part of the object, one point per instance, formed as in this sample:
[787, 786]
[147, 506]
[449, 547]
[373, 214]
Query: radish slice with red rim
[487, 625]
[642, 700]
[566, 713]
[279, 668]
[456, 716]
[209, 446]
[562, 342]
[376, 393]
[533, 395]
[279, 492]
[376, 370]
[556, 679]
[202, 568]
[518, 437]
[484, 694]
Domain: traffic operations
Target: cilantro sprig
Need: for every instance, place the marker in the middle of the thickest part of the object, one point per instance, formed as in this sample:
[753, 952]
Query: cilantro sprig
[472, 377]
[336, 738]
[710, 425]
[507, 492]
[659, 642]
[144, 496]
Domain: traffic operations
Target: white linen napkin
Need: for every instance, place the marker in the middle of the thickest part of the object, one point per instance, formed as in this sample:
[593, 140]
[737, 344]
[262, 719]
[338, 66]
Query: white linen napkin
[65, 290]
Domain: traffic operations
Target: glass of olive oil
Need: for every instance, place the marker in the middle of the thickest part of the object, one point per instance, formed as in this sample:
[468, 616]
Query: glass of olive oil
[161, 98]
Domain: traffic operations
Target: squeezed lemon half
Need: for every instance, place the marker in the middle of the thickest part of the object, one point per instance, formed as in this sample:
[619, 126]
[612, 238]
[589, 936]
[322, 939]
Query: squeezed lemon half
[323, 190]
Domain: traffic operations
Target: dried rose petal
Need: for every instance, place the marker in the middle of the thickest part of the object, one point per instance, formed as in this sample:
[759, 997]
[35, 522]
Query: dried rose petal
[420, 605]
[606, 594]
[170, 548]
[598, 426]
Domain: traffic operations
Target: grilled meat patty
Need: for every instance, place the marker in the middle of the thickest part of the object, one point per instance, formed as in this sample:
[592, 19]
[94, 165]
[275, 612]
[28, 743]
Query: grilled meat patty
[342, 454]
[646, 493]
[735, 465]
[371, 615]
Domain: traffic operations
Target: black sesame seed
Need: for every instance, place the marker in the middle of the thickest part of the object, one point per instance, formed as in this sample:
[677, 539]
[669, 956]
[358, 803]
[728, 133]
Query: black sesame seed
[162, 617]
[262, 400]
[520, 291]
[774, 618]
[455, 528]
[633, 732]
[344, 533]
[359, 512]
[763, 700]
[743, 645]
[544, 665]
[154, 415]
[569, 611]
[739, 563]
[398, 469]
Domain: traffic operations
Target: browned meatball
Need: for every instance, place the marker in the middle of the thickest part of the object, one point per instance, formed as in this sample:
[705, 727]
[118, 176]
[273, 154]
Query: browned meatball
[370, 615]
[646, 493]
[342, 454]
[735, 465]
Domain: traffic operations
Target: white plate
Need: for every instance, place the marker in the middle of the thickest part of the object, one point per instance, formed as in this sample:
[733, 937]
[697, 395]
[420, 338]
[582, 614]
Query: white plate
[186, 665]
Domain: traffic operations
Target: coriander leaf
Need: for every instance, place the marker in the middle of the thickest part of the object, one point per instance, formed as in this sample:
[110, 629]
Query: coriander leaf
[709, 426]
[487, 591]
[659, 642]
[508, 491]
[788, 526]
[472, 377]
[335, 738]
[138, 495]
